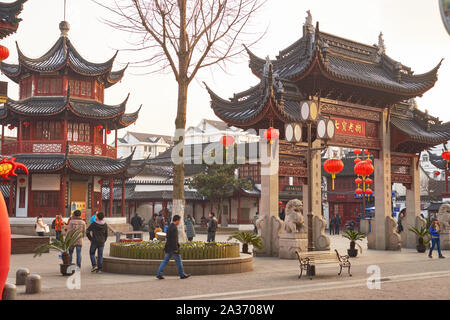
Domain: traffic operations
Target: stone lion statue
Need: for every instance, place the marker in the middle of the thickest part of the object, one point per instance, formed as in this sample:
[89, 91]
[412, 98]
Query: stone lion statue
[443, 217]
[294, 221]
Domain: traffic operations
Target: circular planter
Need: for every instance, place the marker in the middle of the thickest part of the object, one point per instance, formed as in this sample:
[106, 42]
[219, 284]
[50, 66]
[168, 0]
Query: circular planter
[421, 248]
[244, 263]
[63, 268]
[352, 252]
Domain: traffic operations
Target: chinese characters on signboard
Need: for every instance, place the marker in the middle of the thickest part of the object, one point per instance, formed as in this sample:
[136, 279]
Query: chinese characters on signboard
[350, 127]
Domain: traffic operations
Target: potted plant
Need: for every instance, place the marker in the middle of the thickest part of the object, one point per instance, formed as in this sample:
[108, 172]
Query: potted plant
[421, 233]
[62, 244]
[353, 236]
[247, 238]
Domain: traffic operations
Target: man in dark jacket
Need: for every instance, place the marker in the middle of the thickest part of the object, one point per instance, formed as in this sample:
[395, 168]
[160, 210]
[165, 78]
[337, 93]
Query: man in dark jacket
[337, 223]
[212, 227]
[172, 248]
[97, 233]
[136, 222]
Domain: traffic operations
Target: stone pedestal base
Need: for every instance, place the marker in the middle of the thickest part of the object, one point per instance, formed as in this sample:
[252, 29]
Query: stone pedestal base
[445, 241]
[289, 242]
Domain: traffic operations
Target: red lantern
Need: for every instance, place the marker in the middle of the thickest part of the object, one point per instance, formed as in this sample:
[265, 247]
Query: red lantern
[437, 173]
[369, 160]
[26, 124]
[226, 141]
[359, 191]
[100, 127]
[100, 182]
[10, 127]
[108, 131]
[280, 203]
[368, 191]
[357, 151]
[358, 181]
[368, 181]
[271, 134]
[446, 156]
[4, 53]
[363, 169]
[333, 167]
[366, 152]
[357, 160]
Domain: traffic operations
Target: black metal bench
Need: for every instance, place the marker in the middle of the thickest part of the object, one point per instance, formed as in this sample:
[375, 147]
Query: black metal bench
[308, 260]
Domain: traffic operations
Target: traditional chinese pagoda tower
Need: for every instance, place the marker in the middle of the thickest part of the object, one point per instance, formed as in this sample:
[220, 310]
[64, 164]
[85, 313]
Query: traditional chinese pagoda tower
[62, 127]
[368, 94]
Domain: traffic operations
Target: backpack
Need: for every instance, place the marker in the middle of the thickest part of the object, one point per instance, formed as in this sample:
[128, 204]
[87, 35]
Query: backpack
[53, 224]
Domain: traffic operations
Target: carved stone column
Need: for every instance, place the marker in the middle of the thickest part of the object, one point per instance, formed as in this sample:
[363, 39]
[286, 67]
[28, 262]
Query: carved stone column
[383, 235]
[269, 224]
[409, 239]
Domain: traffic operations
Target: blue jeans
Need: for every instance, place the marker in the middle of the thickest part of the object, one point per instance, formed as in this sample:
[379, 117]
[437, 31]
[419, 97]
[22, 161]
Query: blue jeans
[78, 255]
[177, 258]
[57, 234]
[99, 249]
[435, 242]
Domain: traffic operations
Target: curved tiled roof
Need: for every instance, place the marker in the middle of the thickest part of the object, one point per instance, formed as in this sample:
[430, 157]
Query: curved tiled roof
[42, 162]
[45, 106]
[346, 60]
[9, 16]
[98, 165]
[436, 134]
[63, 54]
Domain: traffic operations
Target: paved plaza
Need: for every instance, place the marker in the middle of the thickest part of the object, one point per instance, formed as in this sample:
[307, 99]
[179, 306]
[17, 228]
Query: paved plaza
[404, 275]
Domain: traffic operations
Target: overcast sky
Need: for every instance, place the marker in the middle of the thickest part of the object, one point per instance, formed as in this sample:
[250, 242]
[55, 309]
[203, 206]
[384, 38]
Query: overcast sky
[413, 32]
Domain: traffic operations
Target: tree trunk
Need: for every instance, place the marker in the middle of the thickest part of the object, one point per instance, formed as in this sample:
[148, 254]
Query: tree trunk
[180, 122]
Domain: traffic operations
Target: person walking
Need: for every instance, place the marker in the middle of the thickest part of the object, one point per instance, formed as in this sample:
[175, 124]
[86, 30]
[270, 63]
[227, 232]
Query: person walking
[172, 249]
[97, 233]
[152, 224]
[136, 222]
[435, 230]
[332, 228]
[255, 219]
[40, 226]
[189, 224]
[59, 224]
[212, 227]
[400, 220]
[337, 223]
[76, 223]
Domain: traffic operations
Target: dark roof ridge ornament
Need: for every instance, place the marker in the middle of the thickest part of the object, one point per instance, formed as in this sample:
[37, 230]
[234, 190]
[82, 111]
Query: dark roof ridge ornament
[64, 26]
[381, 47]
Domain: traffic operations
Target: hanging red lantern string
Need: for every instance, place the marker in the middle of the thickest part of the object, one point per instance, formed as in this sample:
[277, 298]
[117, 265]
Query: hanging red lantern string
[446, 156]
[359, 191]
[368, 191]
[333, 166]
[368, 181]
[367, 152]
[226, 141]
[358, 181]
[357, 160]
[363, 169]
[4, 53]
[357, 152]
[10, 127]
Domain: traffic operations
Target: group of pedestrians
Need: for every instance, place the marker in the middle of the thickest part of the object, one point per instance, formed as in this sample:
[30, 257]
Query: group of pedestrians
[335, 224]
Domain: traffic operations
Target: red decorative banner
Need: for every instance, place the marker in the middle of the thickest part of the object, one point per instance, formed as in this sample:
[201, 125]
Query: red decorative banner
[350, 127]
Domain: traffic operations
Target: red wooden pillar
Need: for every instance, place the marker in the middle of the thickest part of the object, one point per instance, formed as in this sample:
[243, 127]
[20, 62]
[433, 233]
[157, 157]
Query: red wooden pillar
[111, 192]
[3, 139]
[62, 203]
[123, 198]
[19, 136]
[11, 198]
[239, 209]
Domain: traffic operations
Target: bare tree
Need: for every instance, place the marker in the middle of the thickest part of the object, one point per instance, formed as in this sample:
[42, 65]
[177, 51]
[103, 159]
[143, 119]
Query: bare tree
[184, 37]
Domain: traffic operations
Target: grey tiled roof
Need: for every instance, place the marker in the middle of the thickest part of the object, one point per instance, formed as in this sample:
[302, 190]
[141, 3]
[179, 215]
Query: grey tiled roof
[42, 162]
[10, 11]
[98, 165]
[63, 54]
[435, 135]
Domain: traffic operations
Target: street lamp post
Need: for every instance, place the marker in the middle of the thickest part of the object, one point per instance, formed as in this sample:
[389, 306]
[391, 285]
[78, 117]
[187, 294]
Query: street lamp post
[309, 112]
